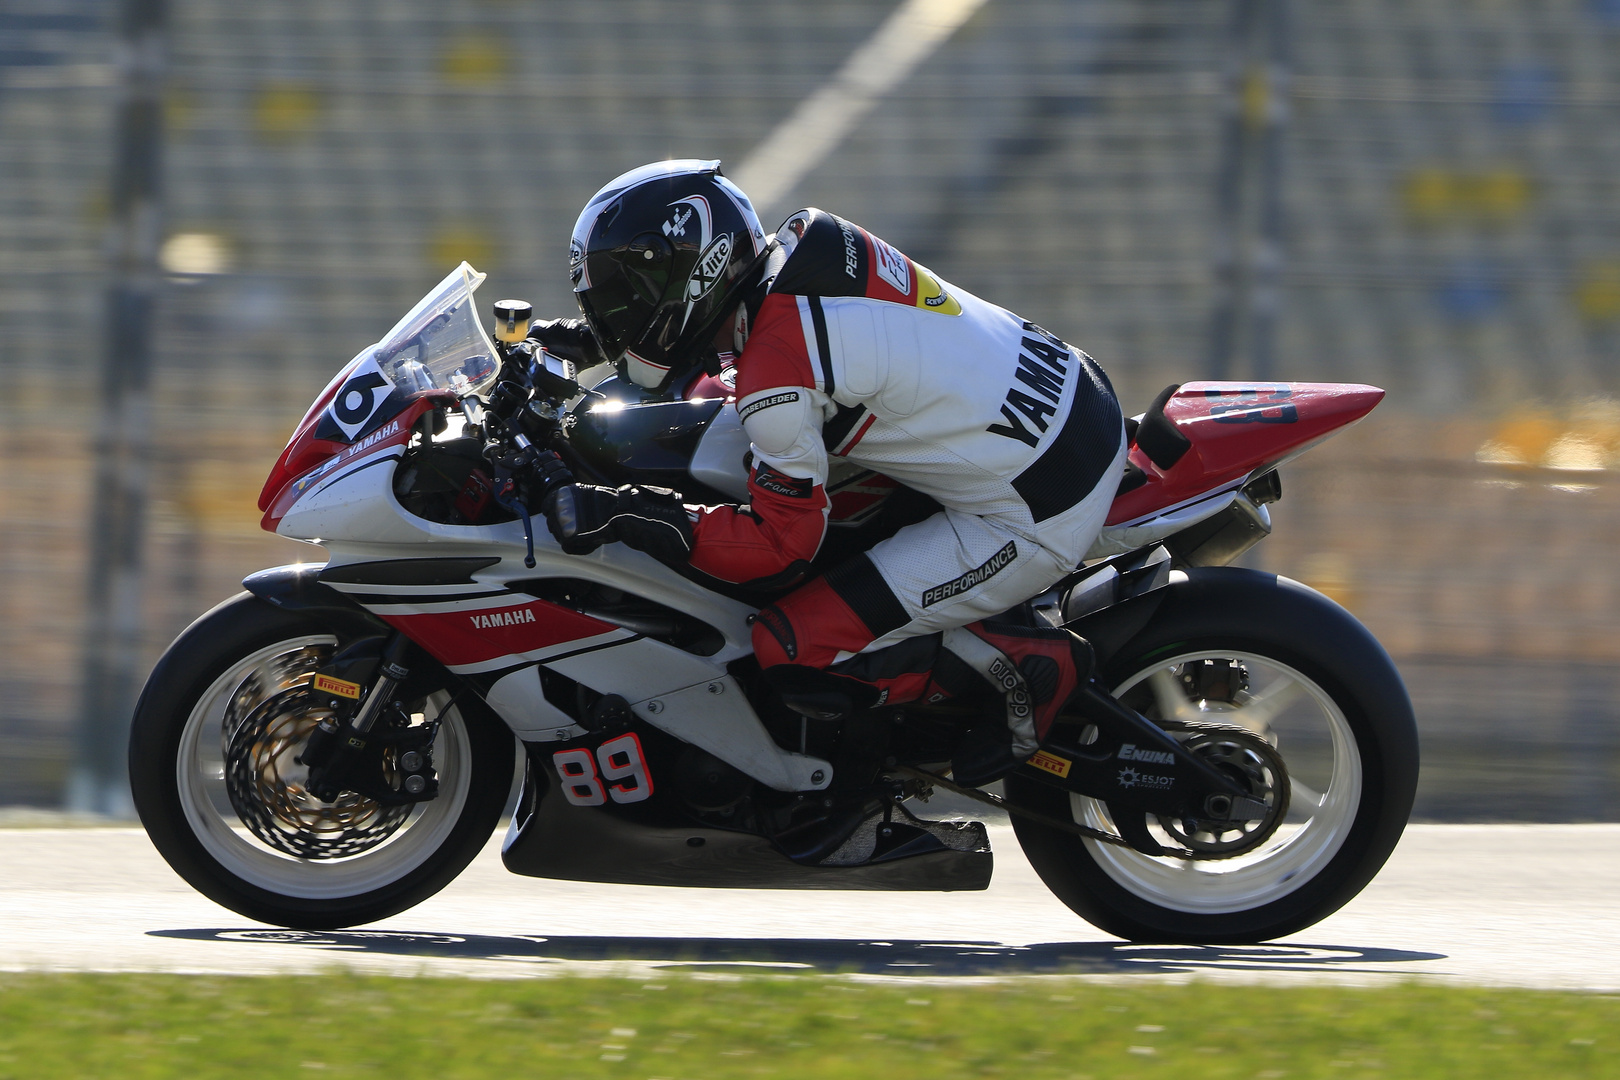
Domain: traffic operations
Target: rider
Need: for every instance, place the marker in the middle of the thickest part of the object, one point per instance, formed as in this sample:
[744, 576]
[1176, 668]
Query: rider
[843, 346]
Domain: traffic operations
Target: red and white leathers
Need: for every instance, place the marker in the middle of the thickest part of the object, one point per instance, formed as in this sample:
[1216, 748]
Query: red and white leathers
[858, 352]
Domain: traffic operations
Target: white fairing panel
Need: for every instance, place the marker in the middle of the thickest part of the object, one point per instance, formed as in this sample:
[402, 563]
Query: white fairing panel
[521, 702]
[356, 500]
[355, 515]
[718, 461]
[717, 717]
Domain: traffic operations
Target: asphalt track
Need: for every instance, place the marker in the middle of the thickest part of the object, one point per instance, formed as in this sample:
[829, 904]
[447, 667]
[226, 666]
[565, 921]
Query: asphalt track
[1531, 905]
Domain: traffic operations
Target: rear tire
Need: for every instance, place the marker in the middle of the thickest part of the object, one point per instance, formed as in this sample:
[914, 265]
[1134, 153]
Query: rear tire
[235, 657]
[1330, 700]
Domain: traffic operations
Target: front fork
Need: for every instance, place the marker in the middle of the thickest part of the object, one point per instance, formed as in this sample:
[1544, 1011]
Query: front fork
[344, 753]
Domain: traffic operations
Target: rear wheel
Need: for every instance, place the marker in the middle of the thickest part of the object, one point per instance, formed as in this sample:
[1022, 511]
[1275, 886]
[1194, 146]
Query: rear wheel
[212, 766]
[1238, 649]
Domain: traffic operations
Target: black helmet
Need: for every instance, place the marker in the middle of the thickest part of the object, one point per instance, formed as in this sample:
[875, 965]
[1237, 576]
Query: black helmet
[659, 256]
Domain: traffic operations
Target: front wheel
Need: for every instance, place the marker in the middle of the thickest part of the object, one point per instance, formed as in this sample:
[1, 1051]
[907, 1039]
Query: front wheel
[213, 770]
[1235, 647]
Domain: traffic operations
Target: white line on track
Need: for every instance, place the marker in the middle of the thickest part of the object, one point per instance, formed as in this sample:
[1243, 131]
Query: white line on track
[1489, 904]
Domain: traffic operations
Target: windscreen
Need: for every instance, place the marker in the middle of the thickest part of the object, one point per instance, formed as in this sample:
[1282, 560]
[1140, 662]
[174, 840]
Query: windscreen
[441, 344]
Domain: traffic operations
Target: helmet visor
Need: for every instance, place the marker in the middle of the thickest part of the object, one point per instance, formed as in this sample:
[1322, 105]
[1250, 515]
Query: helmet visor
[619, 309]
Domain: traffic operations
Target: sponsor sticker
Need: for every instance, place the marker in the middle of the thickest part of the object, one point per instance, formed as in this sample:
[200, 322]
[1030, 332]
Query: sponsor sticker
[1131, 752]
[931, 295]
[710, 265]
[681, 220]
[337, 687]
[513, 617]
[766, 402]
[977, 576]
[892, 267]
[676, 225]
[1130, 778]
[1057, 766]
[769, 479]
[361, 395]
[387, 431]
[851, 260]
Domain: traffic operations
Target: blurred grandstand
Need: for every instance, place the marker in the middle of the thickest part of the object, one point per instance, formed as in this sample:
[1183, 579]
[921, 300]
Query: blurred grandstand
[1449, 181]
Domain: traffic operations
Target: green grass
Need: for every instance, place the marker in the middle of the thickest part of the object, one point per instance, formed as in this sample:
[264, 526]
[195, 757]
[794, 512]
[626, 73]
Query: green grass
[827, 1028]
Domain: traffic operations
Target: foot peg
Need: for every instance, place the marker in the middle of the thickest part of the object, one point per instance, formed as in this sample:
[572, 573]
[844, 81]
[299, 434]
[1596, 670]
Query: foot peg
[982, 757]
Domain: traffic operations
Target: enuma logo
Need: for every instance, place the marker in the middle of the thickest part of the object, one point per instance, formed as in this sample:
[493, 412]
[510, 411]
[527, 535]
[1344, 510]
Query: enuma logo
[1130, 752]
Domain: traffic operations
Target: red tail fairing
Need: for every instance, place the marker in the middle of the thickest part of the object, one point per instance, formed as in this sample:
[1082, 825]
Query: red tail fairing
[1236, 430]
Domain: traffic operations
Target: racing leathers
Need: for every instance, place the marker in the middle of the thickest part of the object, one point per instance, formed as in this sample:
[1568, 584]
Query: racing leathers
[856, 351]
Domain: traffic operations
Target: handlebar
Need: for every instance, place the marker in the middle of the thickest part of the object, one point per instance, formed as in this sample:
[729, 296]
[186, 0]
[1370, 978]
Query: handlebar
[519, 422]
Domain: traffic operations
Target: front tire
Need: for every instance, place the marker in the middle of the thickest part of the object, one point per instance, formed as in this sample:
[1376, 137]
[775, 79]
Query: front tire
[208, 684]
[1328, 698]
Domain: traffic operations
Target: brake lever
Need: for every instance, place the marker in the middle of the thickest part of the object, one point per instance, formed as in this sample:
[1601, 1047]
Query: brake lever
[528, 532]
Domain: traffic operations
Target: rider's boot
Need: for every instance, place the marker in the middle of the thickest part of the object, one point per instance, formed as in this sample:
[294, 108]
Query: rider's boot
[1036, 670]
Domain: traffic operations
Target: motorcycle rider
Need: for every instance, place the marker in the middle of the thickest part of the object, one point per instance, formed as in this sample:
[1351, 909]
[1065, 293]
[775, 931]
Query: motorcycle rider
[843, 346]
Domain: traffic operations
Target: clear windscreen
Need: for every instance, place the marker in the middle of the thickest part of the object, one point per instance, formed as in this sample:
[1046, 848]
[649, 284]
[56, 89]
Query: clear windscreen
[441, 344]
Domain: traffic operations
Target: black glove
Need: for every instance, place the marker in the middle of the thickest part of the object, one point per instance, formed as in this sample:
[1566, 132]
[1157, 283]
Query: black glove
[569, 339]
[583, 517]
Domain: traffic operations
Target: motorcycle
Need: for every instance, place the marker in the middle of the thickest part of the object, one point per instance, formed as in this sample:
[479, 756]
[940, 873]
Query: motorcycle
[334, 744]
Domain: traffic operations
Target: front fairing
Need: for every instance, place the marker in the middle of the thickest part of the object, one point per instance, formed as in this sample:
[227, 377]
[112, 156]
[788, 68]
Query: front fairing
[440, 350]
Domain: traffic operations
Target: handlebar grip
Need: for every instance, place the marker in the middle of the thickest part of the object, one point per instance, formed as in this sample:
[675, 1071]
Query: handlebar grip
[562, 513]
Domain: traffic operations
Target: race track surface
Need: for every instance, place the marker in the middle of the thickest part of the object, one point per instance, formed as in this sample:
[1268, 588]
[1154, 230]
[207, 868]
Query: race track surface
[1531, 905]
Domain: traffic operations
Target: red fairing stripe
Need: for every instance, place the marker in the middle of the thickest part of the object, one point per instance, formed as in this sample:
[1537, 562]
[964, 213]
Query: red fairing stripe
[303, 450]
[316, 459]
[461, 639]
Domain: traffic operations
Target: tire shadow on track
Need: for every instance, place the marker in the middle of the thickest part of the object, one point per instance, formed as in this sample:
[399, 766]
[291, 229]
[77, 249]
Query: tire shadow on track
[837, 955]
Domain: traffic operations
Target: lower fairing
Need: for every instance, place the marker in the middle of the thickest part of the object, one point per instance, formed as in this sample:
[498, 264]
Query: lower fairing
[630, 846]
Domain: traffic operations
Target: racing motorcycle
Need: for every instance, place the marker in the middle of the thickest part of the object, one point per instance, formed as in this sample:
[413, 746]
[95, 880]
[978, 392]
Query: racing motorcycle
[334, 744]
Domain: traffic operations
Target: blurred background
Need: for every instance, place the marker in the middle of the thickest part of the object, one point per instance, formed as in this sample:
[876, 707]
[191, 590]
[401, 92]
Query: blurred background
[1420, 194]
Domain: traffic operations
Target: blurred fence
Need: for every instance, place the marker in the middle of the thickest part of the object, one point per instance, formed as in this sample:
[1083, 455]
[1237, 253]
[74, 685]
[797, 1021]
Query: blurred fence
[1449, 182]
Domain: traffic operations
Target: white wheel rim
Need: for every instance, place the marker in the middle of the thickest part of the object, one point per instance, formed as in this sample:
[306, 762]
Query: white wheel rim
[199, 771]
[1323, 807]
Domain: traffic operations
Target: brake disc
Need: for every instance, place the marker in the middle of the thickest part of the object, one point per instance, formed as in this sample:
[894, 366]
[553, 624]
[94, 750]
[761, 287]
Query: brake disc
[266, 786]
